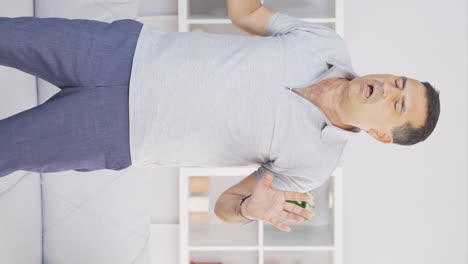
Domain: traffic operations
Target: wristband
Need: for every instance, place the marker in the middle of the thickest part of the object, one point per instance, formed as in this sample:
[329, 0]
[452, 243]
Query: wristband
[240, 208]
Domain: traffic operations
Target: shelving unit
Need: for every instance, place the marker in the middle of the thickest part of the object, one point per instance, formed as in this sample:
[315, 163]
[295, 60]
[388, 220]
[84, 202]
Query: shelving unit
[196, 14]
[211, 15]
[315, 241]
[318, 239]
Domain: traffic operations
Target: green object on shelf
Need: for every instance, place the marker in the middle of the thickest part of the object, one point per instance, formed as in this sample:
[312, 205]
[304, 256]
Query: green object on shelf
[309, 205]
[301, 203]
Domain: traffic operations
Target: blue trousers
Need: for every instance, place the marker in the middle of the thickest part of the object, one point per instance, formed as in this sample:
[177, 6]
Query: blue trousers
[83, 127]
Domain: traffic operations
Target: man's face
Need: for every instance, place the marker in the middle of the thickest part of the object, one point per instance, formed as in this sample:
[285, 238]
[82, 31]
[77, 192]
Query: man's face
[378, 103]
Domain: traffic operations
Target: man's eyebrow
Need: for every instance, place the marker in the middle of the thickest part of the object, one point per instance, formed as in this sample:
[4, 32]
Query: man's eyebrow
[403, 106]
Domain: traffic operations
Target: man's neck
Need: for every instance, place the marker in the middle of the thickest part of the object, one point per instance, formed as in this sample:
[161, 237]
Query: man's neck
[328, 95]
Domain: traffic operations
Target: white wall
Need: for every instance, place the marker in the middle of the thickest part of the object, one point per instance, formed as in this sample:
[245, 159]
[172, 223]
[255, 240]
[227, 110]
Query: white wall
[408, 205]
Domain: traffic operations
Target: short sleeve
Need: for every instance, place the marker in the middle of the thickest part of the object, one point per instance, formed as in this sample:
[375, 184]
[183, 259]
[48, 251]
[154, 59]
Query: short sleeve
[300, 180]
[307, 47]
[282, 24]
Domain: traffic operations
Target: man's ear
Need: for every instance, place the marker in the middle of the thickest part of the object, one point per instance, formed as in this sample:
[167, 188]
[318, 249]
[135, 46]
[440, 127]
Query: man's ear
[381, 136]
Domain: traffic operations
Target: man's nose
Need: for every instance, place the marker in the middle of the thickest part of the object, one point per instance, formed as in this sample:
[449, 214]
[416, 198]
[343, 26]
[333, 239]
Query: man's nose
[390, 91]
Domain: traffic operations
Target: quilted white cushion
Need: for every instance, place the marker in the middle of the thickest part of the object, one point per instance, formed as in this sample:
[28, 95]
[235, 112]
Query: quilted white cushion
[102, 10]
[96, 217]
[20, 218]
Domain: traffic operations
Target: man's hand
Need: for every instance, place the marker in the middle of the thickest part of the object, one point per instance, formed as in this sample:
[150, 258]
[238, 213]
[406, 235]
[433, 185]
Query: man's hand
[268, 204]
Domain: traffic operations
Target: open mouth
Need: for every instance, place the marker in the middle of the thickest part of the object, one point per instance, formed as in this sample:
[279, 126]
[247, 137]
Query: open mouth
[369, 90]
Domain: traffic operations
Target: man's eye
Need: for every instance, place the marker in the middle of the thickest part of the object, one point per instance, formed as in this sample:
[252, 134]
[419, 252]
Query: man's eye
[396, 105]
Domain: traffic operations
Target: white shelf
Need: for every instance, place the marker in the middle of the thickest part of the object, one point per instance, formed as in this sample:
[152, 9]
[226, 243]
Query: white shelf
[223, 235]
[298, 257]
[313, 239]
[303, 9]
[300, 235]
[226, 257]
[327, 12]
[299, 248]
[229, 248]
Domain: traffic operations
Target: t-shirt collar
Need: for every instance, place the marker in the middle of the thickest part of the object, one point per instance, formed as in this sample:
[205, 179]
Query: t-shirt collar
[330, 131]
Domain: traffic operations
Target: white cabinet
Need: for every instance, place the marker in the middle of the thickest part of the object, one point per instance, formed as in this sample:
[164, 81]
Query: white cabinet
[211, 15]
[314, 241]
[198, 15]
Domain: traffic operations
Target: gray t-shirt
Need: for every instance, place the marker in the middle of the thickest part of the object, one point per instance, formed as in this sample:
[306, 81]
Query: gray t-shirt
[207, 100]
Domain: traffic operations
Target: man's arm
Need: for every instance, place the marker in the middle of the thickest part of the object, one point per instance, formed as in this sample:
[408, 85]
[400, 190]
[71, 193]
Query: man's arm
[227, 206]
[266, 203]
[250, 15]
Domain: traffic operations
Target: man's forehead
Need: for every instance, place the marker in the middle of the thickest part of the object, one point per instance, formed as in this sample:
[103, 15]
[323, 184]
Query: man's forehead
[416, 102]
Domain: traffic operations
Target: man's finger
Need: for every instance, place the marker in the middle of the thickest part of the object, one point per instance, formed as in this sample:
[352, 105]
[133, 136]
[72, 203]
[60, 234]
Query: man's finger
[291, 216]
[294, 208]
[296, 196]
[278, 224]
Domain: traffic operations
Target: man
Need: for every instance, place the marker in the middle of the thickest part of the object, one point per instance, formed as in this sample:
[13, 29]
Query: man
[285, 99]
[307, 142]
